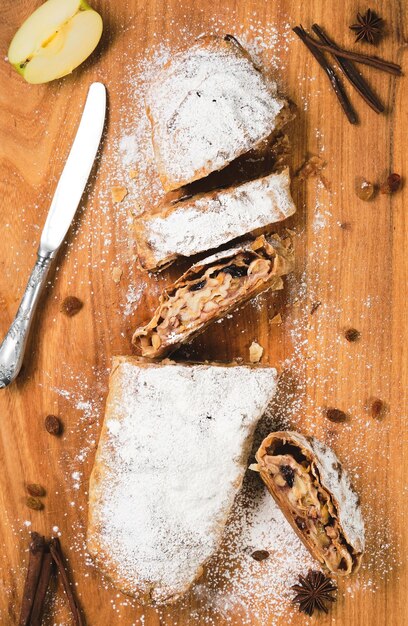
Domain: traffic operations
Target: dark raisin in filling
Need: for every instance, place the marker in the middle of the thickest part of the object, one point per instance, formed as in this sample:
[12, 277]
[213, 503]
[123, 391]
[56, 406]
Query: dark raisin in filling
[288, 474]
[197, 286]
[236, 271]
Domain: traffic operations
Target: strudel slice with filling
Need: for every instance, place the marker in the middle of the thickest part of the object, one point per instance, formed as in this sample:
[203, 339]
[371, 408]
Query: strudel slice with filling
[207, 106]
[190, 225]
[309, 484]
[171, 457]
[212, 288]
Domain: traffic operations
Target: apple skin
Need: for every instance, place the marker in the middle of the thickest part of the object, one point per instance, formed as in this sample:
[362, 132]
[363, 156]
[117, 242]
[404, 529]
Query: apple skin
[21, 67]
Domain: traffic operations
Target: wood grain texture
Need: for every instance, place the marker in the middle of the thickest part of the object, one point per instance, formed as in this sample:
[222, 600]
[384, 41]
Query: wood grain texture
[359, 273]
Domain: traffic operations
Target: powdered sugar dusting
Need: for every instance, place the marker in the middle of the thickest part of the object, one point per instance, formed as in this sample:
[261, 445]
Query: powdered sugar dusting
[209, 221]
[158, 504]
[208, 106]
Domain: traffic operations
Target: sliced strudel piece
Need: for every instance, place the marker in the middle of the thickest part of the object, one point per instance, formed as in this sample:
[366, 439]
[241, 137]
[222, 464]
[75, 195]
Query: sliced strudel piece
[207, 106]
[188, 226]
[171, 457]
[309, 484]
[212, 288]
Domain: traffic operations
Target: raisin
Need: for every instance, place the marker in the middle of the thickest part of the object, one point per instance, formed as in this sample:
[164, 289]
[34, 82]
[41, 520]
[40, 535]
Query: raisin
[236, 271]
[352, 334]
[35, 490]
[260, 555]
[391, 184]
[197, 286]
[288, 474]
[53, 425]
[34, 503]
[71, 305]
[300, 523]
[336, 415]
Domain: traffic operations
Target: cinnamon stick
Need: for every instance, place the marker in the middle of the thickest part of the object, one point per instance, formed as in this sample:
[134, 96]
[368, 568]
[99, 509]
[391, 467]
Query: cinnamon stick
[334, 80]
[373, 61]
[42, 587]
[36, 552]
[353, 75]
[56, 552]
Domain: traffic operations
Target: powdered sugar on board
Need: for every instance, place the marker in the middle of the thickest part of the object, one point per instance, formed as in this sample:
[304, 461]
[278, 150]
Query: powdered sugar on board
[260, 591]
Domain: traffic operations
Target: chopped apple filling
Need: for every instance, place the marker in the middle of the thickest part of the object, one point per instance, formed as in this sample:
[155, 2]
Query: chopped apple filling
[212, 288]
[310, 505]
[201, 298]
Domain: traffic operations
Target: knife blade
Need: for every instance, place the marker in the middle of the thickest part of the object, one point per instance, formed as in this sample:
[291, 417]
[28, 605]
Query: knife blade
[63, 207]
[76, 171]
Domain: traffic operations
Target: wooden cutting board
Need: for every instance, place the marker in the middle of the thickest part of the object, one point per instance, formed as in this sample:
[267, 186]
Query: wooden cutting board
[351, 258]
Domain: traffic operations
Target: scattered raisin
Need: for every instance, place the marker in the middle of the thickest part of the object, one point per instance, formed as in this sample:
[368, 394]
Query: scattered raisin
[364, 190]
[197, 286]
[335, 415]
[352, 334]
[71, 305]
[53, 425]
[391, 184]
[35, 490]
[345, 225]
[34, 503]
[260, 555]
[288, 474]
[378, 408]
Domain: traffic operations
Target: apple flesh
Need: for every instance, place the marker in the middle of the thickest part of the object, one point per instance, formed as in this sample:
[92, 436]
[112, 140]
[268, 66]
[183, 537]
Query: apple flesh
[54, 40]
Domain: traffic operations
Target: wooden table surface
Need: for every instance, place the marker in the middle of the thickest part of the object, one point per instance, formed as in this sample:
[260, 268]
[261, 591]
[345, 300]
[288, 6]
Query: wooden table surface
[351, 258]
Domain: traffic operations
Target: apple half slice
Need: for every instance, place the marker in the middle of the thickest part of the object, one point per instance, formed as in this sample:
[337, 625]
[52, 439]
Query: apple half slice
[54, 40]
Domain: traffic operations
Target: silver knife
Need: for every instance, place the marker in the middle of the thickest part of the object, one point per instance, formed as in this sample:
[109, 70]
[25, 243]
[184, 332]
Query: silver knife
[64, 204]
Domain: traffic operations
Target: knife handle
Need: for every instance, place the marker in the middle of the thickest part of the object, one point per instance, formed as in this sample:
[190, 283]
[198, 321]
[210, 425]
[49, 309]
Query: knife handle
[14, 344]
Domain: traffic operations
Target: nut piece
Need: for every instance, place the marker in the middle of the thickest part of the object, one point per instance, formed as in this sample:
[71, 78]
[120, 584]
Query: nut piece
[53, 425]
[335, 415]
[71, 305]
[117, 274]
[118, 193]
[311, 168]
[391, 184]
[255, 352]
[34, 503]
[35, 490]
[277, 319]
[133, 173]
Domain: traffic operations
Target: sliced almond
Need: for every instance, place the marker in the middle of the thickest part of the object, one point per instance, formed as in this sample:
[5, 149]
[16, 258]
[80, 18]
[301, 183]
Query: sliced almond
[118, 193]
[255, 352]
[117, 274]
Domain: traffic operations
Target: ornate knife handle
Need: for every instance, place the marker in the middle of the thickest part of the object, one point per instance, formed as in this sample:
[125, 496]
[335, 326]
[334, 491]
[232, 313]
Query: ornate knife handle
[14, 344]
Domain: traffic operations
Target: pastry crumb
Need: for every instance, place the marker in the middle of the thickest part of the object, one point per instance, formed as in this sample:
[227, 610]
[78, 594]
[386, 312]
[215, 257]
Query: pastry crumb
[117, 274]
[133, 173]
[118, 193]
[277, 319]
[255, 352]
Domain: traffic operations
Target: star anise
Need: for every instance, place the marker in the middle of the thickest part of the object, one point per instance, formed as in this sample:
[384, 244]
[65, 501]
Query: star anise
[314, 592]
[368, 26]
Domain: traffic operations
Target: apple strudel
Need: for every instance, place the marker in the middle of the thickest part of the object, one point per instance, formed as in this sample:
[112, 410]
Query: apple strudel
[309, 484]
[171, 457]
[212, 288]
[187, 226]
[207, 106]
